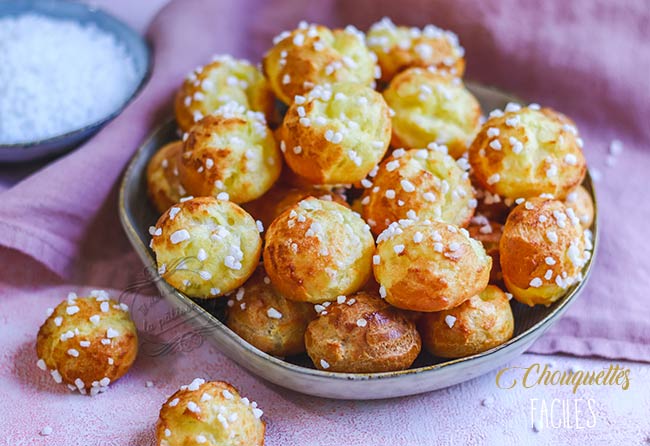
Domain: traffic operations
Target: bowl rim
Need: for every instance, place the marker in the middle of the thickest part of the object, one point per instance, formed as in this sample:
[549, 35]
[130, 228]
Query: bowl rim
[540, 326]
[94, 11]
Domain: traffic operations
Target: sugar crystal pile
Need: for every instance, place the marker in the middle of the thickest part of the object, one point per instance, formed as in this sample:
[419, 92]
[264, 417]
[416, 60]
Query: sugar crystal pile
[57, 76]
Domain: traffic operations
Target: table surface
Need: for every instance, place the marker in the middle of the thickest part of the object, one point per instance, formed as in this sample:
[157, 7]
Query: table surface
[476, 412]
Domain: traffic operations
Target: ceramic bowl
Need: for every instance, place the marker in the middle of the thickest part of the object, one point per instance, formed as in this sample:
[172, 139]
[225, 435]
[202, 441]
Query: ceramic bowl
[134, 43]
[296, 373]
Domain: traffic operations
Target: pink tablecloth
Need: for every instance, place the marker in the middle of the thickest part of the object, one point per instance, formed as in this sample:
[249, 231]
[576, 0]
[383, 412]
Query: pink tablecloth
[60, 231]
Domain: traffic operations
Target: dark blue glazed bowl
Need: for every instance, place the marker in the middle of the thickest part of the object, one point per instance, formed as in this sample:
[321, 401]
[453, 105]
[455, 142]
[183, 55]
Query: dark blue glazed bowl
[133, 42]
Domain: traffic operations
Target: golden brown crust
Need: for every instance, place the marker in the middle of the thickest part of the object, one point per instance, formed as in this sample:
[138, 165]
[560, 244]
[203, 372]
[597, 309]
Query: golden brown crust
[87, 342]
[418, 183]
[527, 152]
[317, 250]
[542, 251]
[362, 334]
[432, 107]
[489, 234]
[429, 266]
[163, 179]
[336, 134]
[480, 323]
[281, 197]
[219, 82]
[206, 247]
[231, 154]
[267, 320]
[211, 414]
[315, 55]
[580, 202]
[399, 48]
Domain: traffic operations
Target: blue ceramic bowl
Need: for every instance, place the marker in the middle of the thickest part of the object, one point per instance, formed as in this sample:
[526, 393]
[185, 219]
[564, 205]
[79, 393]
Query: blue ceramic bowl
[134, 43]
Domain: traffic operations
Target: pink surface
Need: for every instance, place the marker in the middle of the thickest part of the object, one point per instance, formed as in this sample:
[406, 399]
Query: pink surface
[60, 230]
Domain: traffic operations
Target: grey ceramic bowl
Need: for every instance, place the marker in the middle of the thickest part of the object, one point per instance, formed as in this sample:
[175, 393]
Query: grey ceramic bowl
[136, 46]
[296, 373]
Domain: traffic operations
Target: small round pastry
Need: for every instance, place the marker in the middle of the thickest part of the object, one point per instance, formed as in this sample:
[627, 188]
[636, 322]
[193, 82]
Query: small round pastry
[480, 323]
[317, 250]
[418, 184]
[489, 234]
[580, 203]
[361, 333]
[87, 342]
[209, 413]
[543, 249]
[214, 85]
[163, 180]
[431, 107]
[336, 133]
[315, 55]
[527, 152]
[264, 318]
[206, 247]
[230, 154]
[400, 47]
[429, 266]
[281, 197]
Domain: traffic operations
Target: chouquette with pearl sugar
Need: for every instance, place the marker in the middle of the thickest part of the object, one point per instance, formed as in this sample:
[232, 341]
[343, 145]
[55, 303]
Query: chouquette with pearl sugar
[224, 79]
[206, 247]
[336, 134]
[87, 342]
[418, 184]
[314, 55]
[209, 413]
[429, 266]
[266, 319]
[361, 333]
[480, 323]
[230, 154]
[318, 250]
[524, 152]
[543, 249]
[401, 47]
[432, 107]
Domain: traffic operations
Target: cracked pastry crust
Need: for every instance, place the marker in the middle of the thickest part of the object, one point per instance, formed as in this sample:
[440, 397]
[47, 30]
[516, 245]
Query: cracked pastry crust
[361, 333]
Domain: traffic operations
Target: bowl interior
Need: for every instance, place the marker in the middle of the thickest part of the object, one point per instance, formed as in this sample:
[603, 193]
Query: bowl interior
[134, 44]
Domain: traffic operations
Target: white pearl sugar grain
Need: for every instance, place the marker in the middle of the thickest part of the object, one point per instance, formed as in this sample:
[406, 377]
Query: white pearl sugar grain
[57, 76]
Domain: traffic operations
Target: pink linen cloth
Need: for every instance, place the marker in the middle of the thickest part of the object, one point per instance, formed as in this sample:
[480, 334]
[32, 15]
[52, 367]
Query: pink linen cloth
[589, 59]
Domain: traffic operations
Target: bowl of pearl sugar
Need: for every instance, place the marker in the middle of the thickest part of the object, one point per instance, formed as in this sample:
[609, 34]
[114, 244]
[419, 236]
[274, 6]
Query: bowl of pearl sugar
[67, 69]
